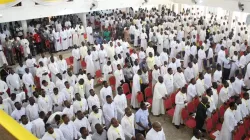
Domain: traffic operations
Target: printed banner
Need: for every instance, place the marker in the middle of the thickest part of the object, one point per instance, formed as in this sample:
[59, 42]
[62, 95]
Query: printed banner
[49, 2]
[8, 3]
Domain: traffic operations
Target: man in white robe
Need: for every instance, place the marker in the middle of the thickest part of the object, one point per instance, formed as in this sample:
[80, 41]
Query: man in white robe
[62, 65]
[44, 103]
[57, 100]
[229, 123]
[31, 64]
[105, 90]
[89, 84]
[80, 103]
[96, 117]
[109, 111]
[210, 98]
[95, 58]
[201, 58]
[89, 31]
[93, 99]
[223, 95]
[137, 81]
[90, 64]
[81, 121]
[81, 32]
[3, 89]
[110, 51]
[180, 101]
[53, 67]
[32, 110]
[26, 123]
[127, 124]
[76, 62]
[14, 83]
[160, 94]
[247, 76]
[115, 131]
[68, 128]
[71, 78]
[120, 101]
[5, 105]
[155, 75]
[69, 36]
[191, 90]
[208, 79]
[200, 86]
[48, 87]
[43, 72]
[119, 77]
[39, 125]
[28, 81]
[18, 112]
[83, 50]
[156, 132]
[75, 37]
[102, 54]
[189, 72]
[64, 39]
[52, 133]
[57, 44]
[107, 70]
[179, 79]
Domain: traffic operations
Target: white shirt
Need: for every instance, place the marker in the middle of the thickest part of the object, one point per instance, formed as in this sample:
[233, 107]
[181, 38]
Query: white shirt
[114, 133]
[57, 135]
[153, 135]
[17, 114]
[127, 124]
[82, 123]
[38, 127]
[104, 92]
[32, 111]
[69, 130]
[80, 105]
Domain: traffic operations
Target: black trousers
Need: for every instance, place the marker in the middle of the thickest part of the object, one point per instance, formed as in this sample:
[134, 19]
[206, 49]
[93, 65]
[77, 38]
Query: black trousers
[199, 124]
[18, 55]
[143, 86]
[225, 74]
[155, 48]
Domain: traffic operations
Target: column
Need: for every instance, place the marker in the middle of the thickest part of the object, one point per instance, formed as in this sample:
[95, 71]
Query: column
[25, 27]
[179, 8]
[230, 19]
[159, 7]
[83, 18]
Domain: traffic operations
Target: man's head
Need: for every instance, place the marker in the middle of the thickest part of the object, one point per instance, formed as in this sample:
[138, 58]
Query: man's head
[109, 99]
[92, 92]
[79, 115]
[114, 122]
[65, 118]
[157, 126]
[143, 106]
[160, 79]
[31, 100]
[84, 131]
[55, 90]
[78, 97]
[204, 100]
[128, 112]
[232, 106]
[209, 92]
[49, 128]
[24, 119]
[120, 90]
[99, 128]
[18, 105]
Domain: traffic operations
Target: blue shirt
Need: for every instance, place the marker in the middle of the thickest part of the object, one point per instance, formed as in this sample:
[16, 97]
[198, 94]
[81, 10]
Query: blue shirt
[142, 117]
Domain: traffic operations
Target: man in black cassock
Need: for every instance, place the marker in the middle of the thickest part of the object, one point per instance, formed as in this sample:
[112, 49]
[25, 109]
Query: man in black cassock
[201, 113]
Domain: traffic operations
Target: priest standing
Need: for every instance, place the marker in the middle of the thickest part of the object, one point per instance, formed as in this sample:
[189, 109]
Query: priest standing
[160, 94]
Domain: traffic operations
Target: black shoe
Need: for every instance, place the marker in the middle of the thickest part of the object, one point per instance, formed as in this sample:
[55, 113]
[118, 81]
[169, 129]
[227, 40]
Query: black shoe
[177, 126]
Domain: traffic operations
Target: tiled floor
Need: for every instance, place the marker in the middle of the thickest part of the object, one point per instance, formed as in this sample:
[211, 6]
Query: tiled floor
[171, 132]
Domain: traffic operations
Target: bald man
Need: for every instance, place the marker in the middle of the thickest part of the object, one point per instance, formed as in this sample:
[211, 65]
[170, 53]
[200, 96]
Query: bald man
[156, 132]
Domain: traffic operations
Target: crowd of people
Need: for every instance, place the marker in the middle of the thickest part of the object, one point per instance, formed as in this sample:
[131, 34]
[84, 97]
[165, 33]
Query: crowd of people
[186, 53]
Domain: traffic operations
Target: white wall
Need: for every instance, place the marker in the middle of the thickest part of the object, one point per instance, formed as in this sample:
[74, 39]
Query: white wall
[29, 10]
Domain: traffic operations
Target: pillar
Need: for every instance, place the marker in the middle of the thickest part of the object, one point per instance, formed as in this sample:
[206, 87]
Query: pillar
[159, 7]
[25, 27]
[179, 8]
[83, 18]
[230, 19]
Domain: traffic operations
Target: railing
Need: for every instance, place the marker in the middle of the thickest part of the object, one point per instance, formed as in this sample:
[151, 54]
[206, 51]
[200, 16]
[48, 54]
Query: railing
[14, 128]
